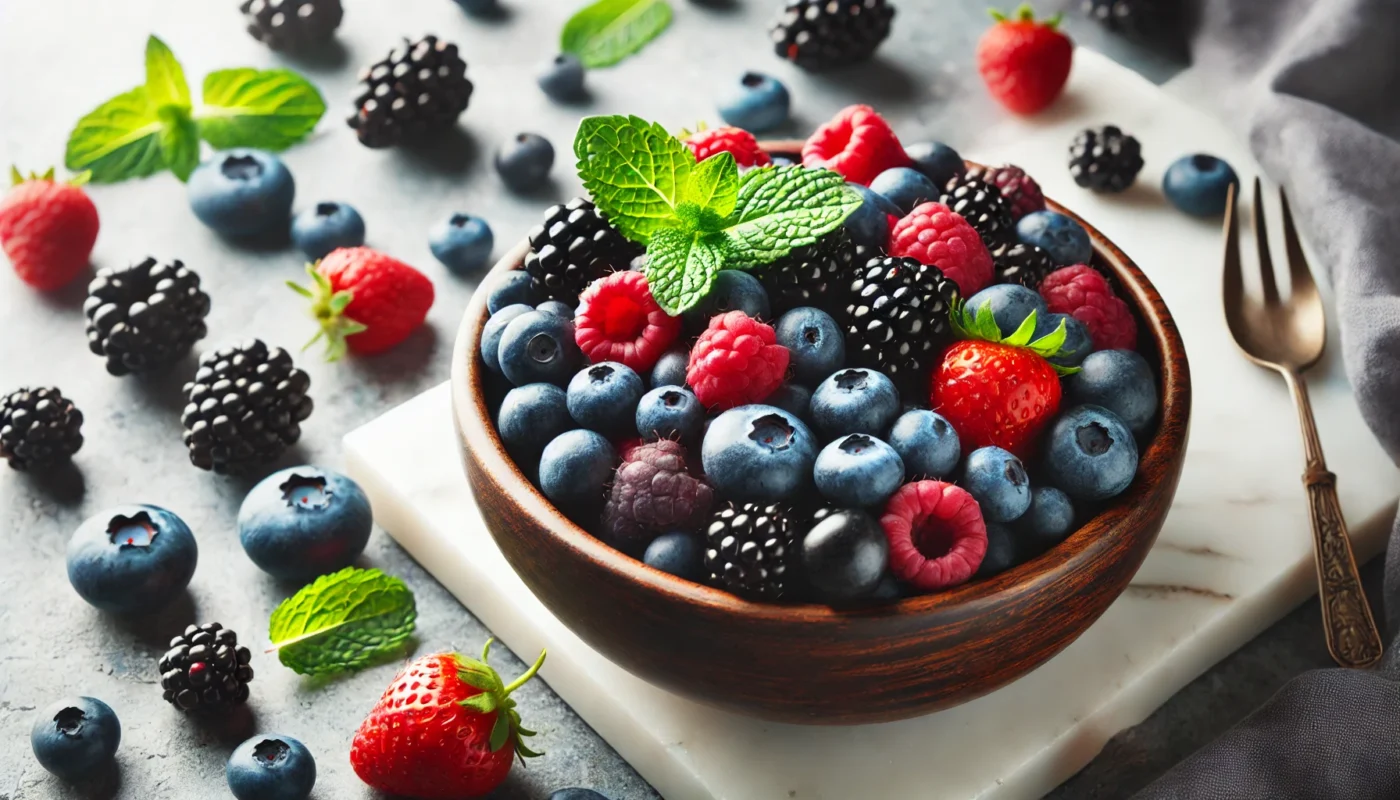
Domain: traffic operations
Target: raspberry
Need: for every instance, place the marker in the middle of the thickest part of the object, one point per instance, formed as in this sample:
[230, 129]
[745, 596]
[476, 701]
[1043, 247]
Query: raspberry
[736, 141]
[1083, 293]
[1020, 190]
[857, 143]
[937, 535]
[653, 493]
[736, 361]
[618, 320]
[934, 234]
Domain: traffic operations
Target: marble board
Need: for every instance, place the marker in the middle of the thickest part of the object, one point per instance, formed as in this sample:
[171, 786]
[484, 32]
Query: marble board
[1235, 553]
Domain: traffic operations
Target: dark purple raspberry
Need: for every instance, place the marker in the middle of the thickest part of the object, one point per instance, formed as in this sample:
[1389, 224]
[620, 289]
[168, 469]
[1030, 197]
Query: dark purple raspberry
[1020, 190]
[653, 493]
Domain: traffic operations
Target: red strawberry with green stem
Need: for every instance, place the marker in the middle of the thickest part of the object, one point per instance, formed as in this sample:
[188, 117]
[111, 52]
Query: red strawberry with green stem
[365, 301]
[445, 729]
[47, 228]
[994, 390]
[1025, 63]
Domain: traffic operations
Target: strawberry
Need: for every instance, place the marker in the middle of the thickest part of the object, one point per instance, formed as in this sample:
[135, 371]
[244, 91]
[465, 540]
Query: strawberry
[47, 228]
[445, 728]
[365, 301]
[1024, 63]
[994, 390]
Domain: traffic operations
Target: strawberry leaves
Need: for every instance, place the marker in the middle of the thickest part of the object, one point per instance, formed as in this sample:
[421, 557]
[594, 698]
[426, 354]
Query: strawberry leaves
[328, 309]
[495, 697]
[982, 325]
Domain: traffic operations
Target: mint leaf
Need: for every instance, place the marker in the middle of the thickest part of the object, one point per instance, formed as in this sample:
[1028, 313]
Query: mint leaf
[636, 172]
[267, 109]
[119, 139]
[779, 209]
[342, 622]
[714, 184]
[682, 265]
[179, 141]
[608, 31]
[165, 78]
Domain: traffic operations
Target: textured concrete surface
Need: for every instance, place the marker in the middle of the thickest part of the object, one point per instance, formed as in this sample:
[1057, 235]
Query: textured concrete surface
[63, 57]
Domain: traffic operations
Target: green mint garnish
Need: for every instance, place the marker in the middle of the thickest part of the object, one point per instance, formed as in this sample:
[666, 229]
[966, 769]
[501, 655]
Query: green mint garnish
[682, 265]
[607, 31]
[714, 185]
[784, 208]
[984, 327]
[636, 172]
[342, 622]
[155, 126]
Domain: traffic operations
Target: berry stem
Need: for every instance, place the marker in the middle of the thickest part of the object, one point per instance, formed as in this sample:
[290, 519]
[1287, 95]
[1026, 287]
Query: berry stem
[528, 674]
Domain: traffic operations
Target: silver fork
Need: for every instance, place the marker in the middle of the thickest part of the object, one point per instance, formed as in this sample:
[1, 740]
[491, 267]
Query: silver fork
[1288, 336]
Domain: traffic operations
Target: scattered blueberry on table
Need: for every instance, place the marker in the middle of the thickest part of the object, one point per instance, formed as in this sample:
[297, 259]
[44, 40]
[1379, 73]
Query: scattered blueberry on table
[76, 737]
[326, 226]
[271, 766]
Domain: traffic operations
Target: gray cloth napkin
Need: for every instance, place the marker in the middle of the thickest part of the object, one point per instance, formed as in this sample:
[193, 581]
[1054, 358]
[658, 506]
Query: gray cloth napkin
[1315, 84]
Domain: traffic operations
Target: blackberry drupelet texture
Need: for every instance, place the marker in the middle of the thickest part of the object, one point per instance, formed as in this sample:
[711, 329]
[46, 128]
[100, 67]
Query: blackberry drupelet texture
[981, 204]
[205, 668]
[572, 247]
[1025, 264]
[292, 25]
[419, 88]
[145, 316]
[816, 275]
[1104, 159]
[820, 34]
[896, 318]
[39, 428]
[244, 408]
[749, 549]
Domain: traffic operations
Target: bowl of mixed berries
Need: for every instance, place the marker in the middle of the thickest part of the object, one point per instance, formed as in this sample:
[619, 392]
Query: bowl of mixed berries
[832, 432]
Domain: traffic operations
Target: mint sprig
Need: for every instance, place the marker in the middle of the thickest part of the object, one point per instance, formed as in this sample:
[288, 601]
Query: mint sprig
[607, 31]
[342, 622]
[157, 126]
[636, 171]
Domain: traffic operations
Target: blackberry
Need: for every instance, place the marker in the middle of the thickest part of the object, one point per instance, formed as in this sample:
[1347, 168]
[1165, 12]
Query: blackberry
[749, 550]
[574, 246]
[205, 668]
[292, 25]
[1104, 159]
[420, 88]
[39, 428]
[815, 275]
[1025, 264]
[896, 319]
[819, 34]
[981, 204]
[245, 407]
[1020, 191]
[145, 316]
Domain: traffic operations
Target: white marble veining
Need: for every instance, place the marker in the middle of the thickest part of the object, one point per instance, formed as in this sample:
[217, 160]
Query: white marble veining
[1235, 553]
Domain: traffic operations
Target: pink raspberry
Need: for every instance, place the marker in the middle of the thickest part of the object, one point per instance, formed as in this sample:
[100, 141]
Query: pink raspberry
[736, 361]
[1021, 191]
[934, 234]
[653, 493]
[857, 143]
[1083, 293]
[618, 320]
[937, 535]
[736, 141]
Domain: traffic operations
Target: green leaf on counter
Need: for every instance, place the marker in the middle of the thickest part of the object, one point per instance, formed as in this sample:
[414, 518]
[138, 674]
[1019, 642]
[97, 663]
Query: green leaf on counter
[342, 622]
[607, 31]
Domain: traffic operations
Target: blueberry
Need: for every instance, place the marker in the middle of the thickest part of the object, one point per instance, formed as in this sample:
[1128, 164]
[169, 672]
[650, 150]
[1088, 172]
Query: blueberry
[524, 161]
[677, 553]
[816, 346]
[577, 794]
[539, 347]
[492, 331]
[733, 290]
[927, 444]
[76, 737]
[905, 187]
[890, 589]
[271, 766]
[242, 193]
[603, 397]
[870, 223]
[793, 398]
[998, 481]
[1078, 344]
[1002, 551]
[318, 230]
[756, 103]
[131, 559]
[1090, 453]
[1049, 519]
[302, 522]
[530, 417]
[1010, 303]
[575, 467]
[1120, 381]
[561, 78]
[462, 243]
[936, 160]
[858, 471]
[670, 369]
[1199, 184]
[854, 401]
[844, 556]
[558, 308]
[759, 453]
[511, 288]
[1064, 239]
[670, 412]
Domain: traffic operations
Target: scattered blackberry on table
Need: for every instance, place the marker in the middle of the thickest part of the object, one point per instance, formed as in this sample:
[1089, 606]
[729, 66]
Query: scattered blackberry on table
[1104, 159]
[1025, 264]
[982, 205]
[1132, 17]
[39, 428]
[896, 318]
[749, 549]
[245, 406]
[820, 34]
[419, 88]
[815, 275]
[205, 668]
[572, 247]
[292, 25]
[145, 316]
[1021, 192]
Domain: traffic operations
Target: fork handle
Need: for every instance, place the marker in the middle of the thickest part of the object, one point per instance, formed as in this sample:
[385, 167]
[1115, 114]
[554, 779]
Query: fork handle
[1352, 638]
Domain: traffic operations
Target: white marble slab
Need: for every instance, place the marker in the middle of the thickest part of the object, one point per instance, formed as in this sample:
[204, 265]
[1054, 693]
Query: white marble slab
[1235, 553]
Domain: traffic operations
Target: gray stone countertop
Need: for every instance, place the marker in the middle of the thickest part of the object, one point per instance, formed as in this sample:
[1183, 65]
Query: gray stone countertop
[62, 57]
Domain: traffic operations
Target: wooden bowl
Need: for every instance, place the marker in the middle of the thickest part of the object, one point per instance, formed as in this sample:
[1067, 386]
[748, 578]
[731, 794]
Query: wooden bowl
[810, 663]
